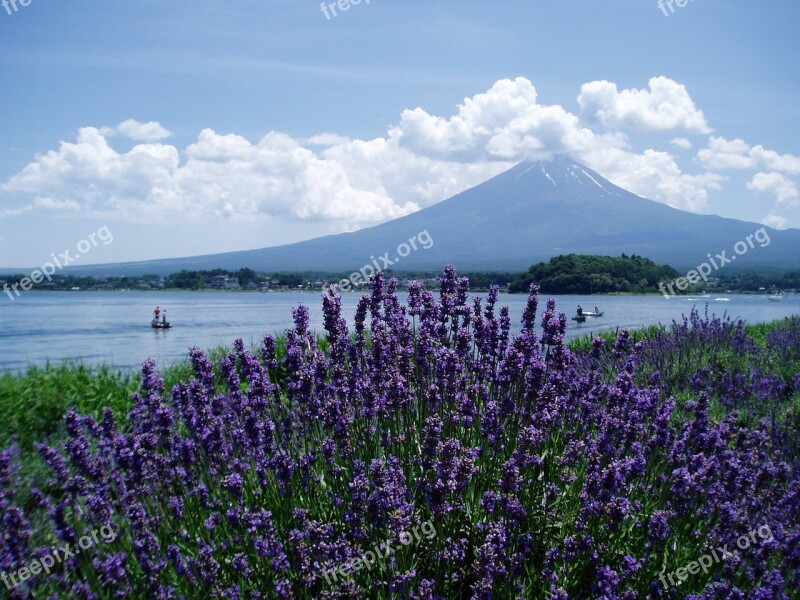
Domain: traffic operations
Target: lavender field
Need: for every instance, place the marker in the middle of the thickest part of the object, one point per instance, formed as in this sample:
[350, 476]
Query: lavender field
[237, 361]
[431, 454]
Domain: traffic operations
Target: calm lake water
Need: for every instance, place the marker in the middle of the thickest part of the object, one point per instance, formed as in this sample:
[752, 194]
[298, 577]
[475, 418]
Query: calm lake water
[114, 327]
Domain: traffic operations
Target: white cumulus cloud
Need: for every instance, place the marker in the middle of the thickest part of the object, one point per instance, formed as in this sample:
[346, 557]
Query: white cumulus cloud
[775, 221]
[665, 106]
[681, 142]
[774, 171]
[656, 175]
[783, 188]
[738, 154]
[139, 132]
[349, 183]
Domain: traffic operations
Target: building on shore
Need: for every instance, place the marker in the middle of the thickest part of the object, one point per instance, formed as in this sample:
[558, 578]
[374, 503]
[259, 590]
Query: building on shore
[223, 282]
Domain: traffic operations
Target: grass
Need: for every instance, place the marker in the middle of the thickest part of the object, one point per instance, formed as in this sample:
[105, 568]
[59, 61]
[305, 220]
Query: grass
[584, 344]
[33, 403]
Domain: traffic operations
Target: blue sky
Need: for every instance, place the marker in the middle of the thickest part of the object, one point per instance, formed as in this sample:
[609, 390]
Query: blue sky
[199, 127]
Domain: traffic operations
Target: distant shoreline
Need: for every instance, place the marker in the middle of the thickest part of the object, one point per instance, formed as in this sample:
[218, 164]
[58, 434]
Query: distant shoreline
[366, 291]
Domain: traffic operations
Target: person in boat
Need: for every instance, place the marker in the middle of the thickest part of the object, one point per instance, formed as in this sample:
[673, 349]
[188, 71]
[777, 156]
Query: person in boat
[580, 311]
[156, 313]
[164, 317]
[596, 310]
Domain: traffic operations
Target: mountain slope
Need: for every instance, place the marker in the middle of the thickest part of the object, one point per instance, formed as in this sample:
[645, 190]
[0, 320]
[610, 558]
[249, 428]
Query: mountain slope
[530, 213]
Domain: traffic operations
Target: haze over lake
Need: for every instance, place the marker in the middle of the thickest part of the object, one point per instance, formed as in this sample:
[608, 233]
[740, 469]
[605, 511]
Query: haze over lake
[114, 328]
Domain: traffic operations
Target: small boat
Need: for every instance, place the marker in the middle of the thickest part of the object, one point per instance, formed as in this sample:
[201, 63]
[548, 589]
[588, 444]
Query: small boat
[722, 299]
[775, 298]
[155, 324]
[593, 314]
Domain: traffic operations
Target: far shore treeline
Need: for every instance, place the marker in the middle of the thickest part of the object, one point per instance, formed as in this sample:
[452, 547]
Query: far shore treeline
[567, 274]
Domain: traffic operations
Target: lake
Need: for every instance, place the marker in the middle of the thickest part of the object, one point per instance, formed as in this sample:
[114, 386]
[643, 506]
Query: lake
[114, 327]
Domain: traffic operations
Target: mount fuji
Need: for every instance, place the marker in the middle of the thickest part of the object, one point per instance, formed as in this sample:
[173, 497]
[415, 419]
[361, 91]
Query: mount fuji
[530, 213]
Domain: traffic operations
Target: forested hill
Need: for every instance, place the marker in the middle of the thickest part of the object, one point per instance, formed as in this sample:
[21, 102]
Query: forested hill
[586, 274]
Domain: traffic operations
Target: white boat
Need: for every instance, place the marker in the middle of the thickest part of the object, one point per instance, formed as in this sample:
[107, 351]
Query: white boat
[775, 298]
[722, 299]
